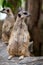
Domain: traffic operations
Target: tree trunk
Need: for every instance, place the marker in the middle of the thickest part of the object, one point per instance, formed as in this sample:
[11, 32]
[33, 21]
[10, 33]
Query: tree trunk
[33, 6]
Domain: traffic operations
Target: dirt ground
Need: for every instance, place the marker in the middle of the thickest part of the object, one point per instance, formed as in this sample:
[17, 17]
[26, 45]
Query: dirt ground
[15, 61]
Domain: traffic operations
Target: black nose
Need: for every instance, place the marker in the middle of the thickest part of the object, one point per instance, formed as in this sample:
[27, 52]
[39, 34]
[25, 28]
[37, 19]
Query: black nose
[3, 9]
[19, 15]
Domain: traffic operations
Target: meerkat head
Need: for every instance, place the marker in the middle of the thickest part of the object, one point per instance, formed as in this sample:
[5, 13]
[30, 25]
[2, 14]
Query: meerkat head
[23, 14]
[7, 11]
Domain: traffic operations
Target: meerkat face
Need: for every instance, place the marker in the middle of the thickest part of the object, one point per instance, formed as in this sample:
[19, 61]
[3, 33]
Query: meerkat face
[3, 15]
[6, 10]
[23, 14]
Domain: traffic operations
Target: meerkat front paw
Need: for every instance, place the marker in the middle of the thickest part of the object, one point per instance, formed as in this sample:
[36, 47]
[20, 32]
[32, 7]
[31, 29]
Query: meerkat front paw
[10, 57]
[21, 57]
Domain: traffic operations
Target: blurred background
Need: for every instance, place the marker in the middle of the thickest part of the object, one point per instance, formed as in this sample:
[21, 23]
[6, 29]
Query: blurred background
[35, 7]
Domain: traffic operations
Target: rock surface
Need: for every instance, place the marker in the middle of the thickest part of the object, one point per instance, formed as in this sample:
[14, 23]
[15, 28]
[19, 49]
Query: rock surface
[15, 61]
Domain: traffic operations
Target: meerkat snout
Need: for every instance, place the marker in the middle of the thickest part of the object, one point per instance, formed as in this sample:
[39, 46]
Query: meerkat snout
[6, 10]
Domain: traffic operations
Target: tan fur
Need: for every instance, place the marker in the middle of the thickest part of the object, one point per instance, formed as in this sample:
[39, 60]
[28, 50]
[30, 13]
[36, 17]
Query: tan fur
[7, 26]
[19, 40]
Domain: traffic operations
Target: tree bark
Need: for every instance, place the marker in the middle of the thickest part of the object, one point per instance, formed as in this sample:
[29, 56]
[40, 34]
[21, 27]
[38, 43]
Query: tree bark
[33, 6]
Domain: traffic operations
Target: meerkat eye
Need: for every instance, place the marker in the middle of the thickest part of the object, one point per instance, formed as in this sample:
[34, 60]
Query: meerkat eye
[19, 15]
[25, 13]
[8, 10]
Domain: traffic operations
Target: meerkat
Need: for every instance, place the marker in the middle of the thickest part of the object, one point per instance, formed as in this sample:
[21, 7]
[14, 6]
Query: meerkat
[20, 37]
[7, 25]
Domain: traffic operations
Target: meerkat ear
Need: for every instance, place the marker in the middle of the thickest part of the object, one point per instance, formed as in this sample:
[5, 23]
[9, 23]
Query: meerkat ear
[19, 9]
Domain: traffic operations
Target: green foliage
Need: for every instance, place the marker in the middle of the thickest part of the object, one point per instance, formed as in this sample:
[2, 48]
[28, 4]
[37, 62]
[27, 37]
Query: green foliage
[1, 2]
[13, 4]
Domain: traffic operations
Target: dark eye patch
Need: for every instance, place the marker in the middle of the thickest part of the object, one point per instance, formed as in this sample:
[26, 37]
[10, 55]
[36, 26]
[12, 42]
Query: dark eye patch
[8, 10]
[25, 13]
[19, 15]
